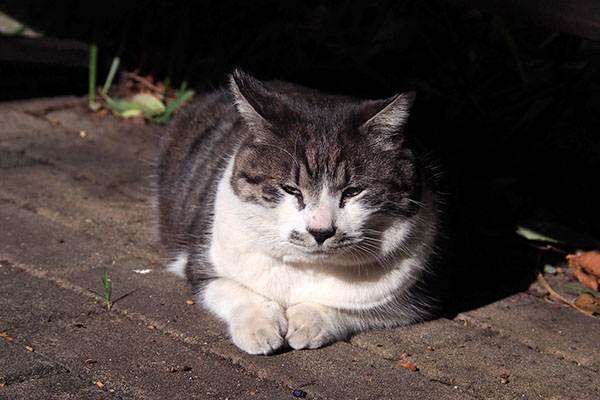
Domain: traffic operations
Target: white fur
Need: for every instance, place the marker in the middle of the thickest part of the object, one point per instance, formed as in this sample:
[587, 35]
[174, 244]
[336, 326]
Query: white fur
[270, 288]
[178, 266]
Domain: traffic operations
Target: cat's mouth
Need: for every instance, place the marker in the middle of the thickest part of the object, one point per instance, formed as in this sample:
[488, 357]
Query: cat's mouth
[323, 251]
[319, 253]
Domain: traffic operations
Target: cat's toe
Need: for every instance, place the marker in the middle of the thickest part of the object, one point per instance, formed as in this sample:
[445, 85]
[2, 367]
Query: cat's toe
[259, 336]
[261, 331]
[309, 327]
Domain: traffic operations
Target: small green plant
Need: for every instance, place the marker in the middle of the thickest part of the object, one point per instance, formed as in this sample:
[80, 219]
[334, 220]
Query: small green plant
[107, 285]
[152, 106]
[583, 290]
[92, 78]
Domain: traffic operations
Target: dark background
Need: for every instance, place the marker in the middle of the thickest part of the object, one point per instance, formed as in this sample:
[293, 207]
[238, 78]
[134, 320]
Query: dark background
[508, 107]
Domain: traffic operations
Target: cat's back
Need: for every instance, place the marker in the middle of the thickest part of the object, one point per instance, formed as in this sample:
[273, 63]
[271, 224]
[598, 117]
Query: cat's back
[192, 155]
[201, 122]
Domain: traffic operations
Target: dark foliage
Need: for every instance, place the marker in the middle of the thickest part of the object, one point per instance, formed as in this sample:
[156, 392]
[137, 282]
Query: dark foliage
[511, 110]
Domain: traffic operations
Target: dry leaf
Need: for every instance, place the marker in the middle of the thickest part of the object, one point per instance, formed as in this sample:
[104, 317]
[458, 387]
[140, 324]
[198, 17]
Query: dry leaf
[590, 281]
[412, 367]
[589, 303]
[5, 336]
[589, 261]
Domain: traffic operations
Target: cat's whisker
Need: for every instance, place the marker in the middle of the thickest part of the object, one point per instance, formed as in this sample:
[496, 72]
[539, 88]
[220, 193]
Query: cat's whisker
[372, 240]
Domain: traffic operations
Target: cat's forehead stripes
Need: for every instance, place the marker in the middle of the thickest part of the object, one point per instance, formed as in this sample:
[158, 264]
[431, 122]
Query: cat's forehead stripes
[322, 164]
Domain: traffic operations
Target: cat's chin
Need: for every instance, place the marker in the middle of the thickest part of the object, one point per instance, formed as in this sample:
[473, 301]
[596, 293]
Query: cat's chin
[318, 255]
[309, 255]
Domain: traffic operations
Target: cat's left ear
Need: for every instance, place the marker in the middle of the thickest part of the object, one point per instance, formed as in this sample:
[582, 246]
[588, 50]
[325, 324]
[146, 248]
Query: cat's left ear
[251, 97]
[390, 116]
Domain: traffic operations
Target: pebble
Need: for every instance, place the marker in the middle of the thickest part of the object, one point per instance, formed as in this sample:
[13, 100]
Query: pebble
[299, 393]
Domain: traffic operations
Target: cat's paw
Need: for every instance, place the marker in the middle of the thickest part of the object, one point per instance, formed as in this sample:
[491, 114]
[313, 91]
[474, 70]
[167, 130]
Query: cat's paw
[261, 332]
[310, 326]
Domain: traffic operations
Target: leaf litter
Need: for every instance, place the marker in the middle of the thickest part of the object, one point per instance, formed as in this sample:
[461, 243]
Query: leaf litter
[136, 98]
[586, 268]
[585, 265]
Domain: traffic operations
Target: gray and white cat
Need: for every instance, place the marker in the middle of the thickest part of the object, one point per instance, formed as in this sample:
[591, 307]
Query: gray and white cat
[299, 217]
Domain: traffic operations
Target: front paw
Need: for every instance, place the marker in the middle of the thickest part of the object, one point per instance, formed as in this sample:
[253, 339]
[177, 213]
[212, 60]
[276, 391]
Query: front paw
[310, 326]
[260, 334]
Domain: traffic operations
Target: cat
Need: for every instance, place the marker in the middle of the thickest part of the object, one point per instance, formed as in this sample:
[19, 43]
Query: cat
[300, 218]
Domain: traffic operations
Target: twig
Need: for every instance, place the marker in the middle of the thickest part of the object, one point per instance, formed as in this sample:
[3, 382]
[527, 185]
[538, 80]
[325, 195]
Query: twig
[141, 80]
[548, 247]
[554, 293]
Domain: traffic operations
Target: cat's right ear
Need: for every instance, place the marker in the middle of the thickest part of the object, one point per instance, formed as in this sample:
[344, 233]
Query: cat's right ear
[250, 96]
[385, 127]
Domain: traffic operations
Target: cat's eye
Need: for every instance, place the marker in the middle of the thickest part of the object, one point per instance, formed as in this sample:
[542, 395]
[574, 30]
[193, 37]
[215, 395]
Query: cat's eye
[351, 192]
[291, 190]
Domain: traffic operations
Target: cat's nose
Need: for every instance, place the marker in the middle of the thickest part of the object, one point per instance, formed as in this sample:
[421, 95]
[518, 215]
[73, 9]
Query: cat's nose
[322, 235]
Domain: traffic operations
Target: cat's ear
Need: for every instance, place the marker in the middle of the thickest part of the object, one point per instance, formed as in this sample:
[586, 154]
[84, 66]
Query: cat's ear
[389, 116]
[251, 99]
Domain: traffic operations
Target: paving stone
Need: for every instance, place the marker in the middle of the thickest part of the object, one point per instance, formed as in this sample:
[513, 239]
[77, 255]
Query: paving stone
[343, 371]
[479, 359]
[73, 206]
[135, 361]
[63, 387]
[550, 328]
[18, 364]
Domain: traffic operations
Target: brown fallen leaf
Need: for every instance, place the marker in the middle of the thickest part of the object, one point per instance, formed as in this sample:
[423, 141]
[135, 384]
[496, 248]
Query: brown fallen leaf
[590, 281]
[137, 120]
[5, 336]
[412, 367]
[589, 303]
[588, 261]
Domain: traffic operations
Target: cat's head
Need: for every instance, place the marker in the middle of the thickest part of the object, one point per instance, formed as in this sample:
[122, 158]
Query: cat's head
[322, 176]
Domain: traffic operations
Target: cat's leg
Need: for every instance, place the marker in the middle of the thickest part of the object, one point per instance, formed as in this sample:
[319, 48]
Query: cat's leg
[257, 325]
[312, 325]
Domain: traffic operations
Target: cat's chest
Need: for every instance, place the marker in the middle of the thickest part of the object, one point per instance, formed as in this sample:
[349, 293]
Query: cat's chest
[232, 256]
[289, 284]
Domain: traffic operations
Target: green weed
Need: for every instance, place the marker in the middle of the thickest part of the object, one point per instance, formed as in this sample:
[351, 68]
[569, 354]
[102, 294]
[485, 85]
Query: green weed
[107, 285]
[152, 106]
